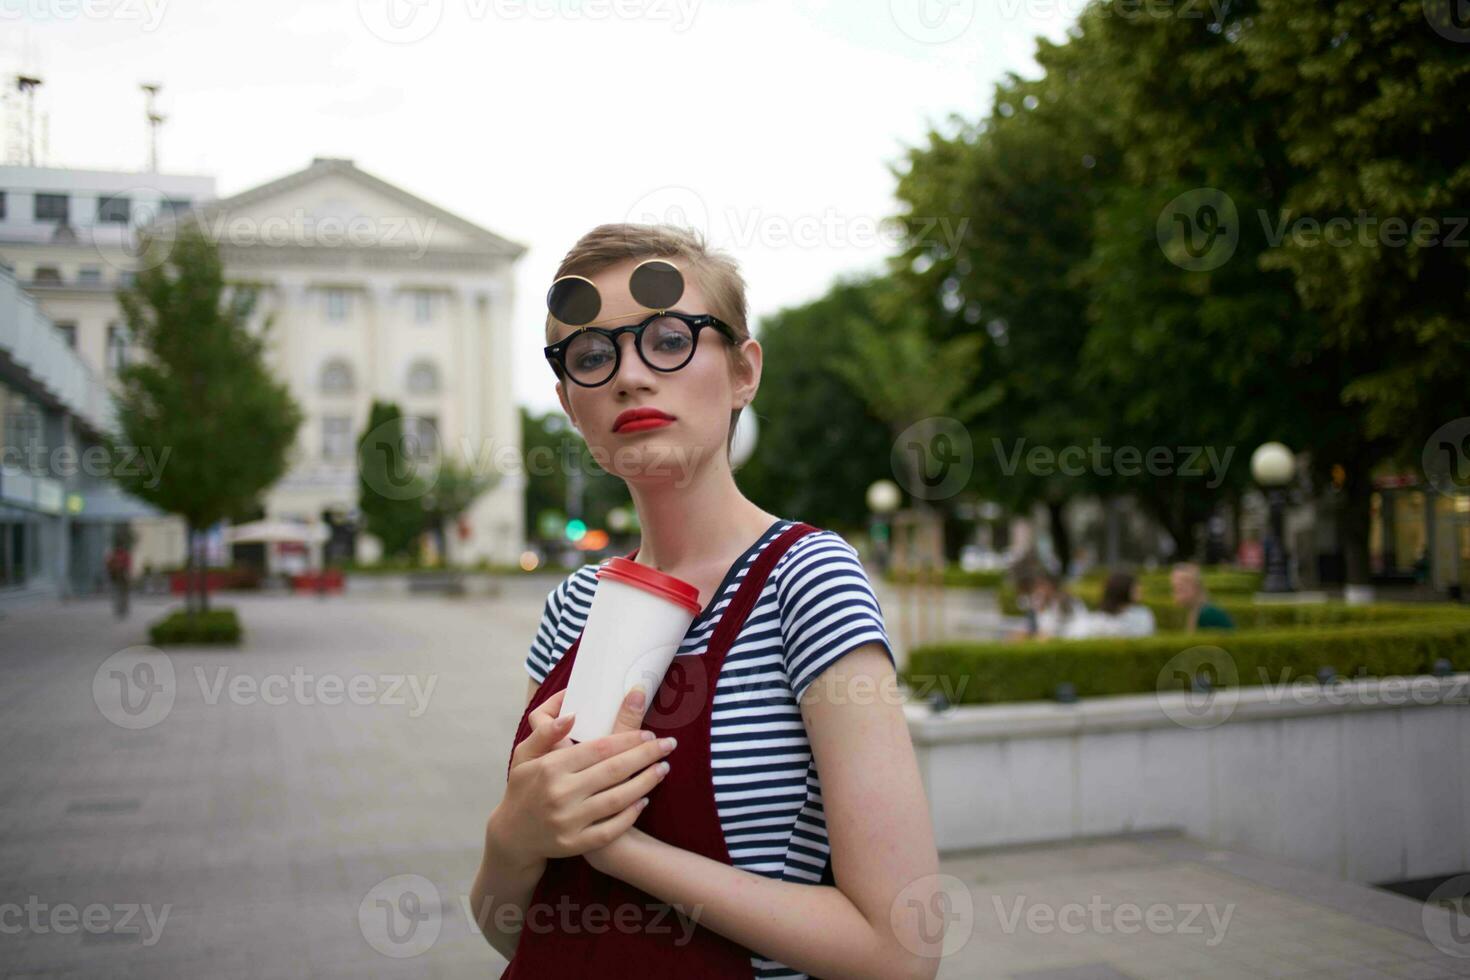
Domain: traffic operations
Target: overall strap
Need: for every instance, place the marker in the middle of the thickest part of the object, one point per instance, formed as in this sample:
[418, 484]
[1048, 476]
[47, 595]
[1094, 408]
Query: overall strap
[733, 618]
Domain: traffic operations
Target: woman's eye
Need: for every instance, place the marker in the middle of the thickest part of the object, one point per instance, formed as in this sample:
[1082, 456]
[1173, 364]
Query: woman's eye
[672, 341]
[590, 360]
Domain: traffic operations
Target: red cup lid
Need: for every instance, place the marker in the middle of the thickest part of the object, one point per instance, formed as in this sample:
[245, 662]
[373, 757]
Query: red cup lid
[653, 580]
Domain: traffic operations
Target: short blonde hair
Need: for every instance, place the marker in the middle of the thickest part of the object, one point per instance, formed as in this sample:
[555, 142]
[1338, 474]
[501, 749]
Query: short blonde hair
[717, 273]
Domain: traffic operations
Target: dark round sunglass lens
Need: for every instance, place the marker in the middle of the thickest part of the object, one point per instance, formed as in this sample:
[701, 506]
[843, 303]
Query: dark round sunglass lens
[656, 284]
[573, 300]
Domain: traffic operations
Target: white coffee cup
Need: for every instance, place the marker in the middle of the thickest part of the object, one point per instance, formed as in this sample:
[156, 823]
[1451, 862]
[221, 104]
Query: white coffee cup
[639, 616]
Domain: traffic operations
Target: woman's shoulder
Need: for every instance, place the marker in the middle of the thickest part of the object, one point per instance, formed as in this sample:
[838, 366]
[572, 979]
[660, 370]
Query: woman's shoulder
[821, 548]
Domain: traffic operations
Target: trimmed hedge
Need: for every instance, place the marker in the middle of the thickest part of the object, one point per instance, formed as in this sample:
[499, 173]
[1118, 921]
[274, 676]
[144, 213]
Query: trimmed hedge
[216, 626]
[1373, 641]
[956, 577]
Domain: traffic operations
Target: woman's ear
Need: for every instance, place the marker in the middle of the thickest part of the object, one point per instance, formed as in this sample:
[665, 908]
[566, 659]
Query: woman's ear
[746, 374]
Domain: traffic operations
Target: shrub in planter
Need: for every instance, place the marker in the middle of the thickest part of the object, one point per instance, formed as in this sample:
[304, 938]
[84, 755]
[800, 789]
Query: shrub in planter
[1378, 645]
[215, 626]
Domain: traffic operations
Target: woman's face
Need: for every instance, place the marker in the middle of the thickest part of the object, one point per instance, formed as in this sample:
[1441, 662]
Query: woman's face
[699, 396]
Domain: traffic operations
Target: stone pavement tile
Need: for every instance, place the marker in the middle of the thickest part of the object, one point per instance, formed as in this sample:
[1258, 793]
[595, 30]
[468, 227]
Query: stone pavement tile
[1086, 971]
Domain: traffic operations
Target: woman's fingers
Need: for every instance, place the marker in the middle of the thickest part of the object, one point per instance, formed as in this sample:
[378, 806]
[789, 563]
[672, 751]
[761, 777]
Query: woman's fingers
[543, 738]
[632, 710]
[618, 766]
[605, 832]
[613, 799]
[547, 710]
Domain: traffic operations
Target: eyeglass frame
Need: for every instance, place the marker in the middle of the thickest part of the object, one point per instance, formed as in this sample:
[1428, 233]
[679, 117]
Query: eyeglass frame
[556, 353]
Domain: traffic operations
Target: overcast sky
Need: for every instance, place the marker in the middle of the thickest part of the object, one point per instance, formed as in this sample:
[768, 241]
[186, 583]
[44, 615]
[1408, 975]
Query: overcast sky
[771, 125]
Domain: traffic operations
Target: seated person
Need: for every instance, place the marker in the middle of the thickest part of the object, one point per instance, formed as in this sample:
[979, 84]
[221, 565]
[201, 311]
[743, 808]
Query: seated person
[1189, 592]
[1121, 613]
[1052, 610]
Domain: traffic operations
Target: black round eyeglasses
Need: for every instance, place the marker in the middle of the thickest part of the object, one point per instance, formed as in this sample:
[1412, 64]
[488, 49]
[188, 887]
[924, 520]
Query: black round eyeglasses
[666, 340]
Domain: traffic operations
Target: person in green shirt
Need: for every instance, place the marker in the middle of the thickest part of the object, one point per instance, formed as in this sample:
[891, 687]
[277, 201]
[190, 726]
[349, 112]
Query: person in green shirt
[1188, 587]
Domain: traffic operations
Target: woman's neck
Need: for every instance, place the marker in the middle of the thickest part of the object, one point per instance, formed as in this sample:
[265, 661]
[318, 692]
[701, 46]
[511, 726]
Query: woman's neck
[686, 524]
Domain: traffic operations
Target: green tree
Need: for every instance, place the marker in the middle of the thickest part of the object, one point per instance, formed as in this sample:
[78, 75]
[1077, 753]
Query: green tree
[821, 442]
[554, 452]
[391, 483]
[1373, 115]
[455, 488]
[201, 393]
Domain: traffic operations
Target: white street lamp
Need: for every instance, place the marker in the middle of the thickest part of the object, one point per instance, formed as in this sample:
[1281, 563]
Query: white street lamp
[1273, 467]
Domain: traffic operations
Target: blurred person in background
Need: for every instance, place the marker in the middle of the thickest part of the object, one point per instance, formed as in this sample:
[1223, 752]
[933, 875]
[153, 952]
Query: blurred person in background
[1121, 612]
[1053, 611]
[1188, 586]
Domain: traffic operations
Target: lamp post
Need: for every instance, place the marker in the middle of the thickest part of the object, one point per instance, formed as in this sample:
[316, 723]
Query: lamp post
[1273, 467]
[883, 498]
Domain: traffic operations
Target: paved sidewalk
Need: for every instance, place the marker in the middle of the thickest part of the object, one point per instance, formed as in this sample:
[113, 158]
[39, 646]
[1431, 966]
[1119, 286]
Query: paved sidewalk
[271, 827]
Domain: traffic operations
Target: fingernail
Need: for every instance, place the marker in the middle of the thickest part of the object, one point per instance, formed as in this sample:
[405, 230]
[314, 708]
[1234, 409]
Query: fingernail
[643, 803]
[637, 697]
[649, 736]
[669, 742]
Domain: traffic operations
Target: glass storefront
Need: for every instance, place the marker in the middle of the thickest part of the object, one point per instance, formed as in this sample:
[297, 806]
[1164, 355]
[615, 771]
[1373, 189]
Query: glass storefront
[1421, 537]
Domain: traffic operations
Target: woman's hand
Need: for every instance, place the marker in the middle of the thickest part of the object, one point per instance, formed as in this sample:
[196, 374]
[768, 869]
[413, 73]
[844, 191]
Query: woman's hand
[564, 798]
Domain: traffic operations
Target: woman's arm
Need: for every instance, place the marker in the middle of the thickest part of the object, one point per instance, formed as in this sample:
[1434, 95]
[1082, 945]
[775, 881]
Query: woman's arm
[502, 890]
[502, 874]
[879, 921]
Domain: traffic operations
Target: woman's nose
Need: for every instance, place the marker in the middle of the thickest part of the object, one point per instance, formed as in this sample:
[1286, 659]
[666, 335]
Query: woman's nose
[631, 369]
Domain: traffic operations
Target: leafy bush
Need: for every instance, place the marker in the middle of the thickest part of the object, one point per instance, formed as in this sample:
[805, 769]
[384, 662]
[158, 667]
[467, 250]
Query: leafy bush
[957, 578]
[214, 626]
[1373, 641]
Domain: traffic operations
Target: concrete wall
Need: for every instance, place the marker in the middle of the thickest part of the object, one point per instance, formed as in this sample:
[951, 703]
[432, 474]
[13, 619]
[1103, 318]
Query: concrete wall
[1369, 781]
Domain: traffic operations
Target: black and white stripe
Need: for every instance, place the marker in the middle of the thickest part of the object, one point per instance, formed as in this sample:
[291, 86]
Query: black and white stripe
[816, 605]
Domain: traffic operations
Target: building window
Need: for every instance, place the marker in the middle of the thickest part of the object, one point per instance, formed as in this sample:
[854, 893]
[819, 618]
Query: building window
[173, 206]
[116, 210]
[117, 347]
[22, 422]
[68, 332]
[46, 275]
[423, 306]
[423, 378]
[336, 305]
[420, 436]
[89, 274]
[51, 207]
[2, 205]
[337, 378]
[336, 437]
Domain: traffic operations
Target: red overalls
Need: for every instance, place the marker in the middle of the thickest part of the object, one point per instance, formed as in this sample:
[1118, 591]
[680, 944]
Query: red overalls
[681, 811]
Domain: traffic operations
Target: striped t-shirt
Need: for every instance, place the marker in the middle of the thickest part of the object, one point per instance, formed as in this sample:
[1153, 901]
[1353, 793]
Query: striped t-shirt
[817, 605]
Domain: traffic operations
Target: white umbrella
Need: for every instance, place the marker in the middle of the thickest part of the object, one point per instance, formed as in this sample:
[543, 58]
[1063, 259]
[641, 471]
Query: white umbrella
[269, 532]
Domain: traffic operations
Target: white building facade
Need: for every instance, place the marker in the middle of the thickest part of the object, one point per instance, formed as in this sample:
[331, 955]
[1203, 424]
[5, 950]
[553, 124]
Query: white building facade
[371, 293]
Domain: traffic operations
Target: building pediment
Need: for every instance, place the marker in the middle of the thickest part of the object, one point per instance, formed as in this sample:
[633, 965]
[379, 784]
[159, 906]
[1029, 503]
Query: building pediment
[332, 206]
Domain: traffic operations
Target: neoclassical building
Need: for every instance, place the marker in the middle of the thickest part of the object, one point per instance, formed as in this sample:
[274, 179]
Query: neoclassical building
[374, 293]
